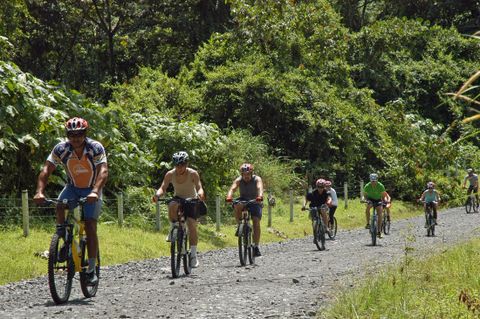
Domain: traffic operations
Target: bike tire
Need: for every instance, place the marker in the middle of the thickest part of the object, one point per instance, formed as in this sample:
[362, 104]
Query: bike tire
[373, 231]
[88, 290]
[316, 235]
[60, 274]
[386, 225]
[321, 234]
[469, 206]
[186, 255]
[176, 253]
[251, 253]
[334, 229]
[242, 247]
[431, 225]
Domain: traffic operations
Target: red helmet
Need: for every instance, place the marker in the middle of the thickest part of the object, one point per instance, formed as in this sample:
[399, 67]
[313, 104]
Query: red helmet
[246, 168]
[320, 182]
[328, 183]
[76, 124]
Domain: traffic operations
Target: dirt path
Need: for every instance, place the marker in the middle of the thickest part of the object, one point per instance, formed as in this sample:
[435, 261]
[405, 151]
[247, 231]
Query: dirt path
[292, 280]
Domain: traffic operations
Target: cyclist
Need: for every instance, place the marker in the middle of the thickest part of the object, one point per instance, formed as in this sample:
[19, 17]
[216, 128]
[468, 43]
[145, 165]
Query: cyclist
[375, 194]
[251, 187]
[430, 195]
[85, 163]
[317, 198]
[333, 195]
[387, 204]
[186, 183]
[473, 183]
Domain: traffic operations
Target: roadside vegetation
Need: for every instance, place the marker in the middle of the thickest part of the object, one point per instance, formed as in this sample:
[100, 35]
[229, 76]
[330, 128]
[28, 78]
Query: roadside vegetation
[441, 286]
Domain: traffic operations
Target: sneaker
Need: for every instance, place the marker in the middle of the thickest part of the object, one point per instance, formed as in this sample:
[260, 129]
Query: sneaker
[380, 235]
[194, 261]
[256, 252]
[367, 226]
[62, 254]
[92, 278]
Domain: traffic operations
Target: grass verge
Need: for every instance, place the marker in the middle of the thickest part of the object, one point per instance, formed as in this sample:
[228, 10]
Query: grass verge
[443, 286]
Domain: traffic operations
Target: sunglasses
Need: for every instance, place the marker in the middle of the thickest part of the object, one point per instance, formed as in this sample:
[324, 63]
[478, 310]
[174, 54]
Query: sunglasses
[76, 134]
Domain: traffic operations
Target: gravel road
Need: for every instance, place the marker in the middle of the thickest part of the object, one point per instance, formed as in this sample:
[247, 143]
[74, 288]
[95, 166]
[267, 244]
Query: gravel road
[292, 279]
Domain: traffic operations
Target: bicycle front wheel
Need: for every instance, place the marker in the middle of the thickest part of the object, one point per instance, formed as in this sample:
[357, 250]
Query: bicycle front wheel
[333, 228]
[374, 229]
[251, 253]
[176, 252]
[186, 254]
[469, 205]
[386, 225]
[242, 245]
[88, 291]
[431, 225]
[60, 270]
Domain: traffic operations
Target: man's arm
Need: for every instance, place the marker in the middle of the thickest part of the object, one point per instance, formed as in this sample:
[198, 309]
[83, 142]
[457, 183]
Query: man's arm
[161, 190]
[42, 181]
[101, 178]
[259, 187]
[198, 185]
[233, 188]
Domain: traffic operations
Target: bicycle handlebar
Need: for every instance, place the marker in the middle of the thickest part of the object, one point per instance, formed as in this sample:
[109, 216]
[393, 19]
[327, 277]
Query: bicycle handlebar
[51, 201]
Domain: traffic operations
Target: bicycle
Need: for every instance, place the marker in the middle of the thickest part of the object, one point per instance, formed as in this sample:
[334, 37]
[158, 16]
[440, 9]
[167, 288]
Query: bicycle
[69, 254]
[386, 221]
[471, 205]
[373, 222]
[430, 220]
[318, 226]
[178, 236]
[244, 232]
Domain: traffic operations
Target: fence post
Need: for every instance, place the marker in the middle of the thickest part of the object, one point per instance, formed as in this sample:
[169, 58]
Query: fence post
[120, 209]
[269, 211]
[158, 224]
[26, 219]
[361, 189]
[291, 205]
[217, 212]
[345, 192]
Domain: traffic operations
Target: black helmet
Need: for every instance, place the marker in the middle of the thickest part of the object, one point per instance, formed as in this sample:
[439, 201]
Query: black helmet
[180, 158]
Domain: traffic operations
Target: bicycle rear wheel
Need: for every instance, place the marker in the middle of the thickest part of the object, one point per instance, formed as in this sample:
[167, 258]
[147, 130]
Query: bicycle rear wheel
[333, 229]
[242, 244]
[176, 251]
[88, 291]
[60, 270]
[186, 254]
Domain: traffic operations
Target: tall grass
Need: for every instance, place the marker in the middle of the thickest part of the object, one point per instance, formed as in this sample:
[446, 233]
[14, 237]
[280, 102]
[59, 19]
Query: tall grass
[140, 241]
[442, 286]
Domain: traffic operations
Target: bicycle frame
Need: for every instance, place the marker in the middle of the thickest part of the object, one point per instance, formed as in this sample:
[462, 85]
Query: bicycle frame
[75, 231]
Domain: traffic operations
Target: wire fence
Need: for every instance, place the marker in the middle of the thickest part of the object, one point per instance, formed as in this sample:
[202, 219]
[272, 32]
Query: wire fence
[138, 210]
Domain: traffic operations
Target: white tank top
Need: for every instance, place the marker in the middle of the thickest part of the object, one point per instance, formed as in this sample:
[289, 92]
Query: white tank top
[187, 188]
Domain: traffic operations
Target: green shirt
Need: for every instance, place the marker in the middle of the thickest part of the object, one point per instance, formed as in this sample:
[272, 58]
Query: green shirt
[374, 192]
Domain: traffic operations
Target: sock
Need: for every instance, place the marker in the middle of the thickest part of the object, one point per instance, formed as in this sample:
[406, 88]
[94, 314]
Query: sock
[193, 250]
[91, 264]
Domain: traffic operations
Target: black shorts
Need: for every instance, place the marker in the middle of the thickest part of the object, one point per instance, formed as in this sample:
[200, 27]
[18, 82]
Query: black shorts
[472, 188]
[193, 209]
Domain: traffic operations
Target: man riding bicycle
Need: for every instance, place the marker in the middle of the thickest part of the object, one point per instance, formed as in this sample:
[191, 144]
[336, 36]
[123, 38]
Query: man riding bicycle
[85, 162]
[430, 197]
[334, 204]
[317, 198]
[473, 183]
[186, 184]
[375, 193]
[251, 187]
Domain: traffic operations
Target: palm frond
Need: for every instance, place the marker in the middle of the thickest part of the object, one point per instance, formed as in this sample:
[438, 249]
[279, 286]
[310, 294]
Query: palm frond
[468, 83]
